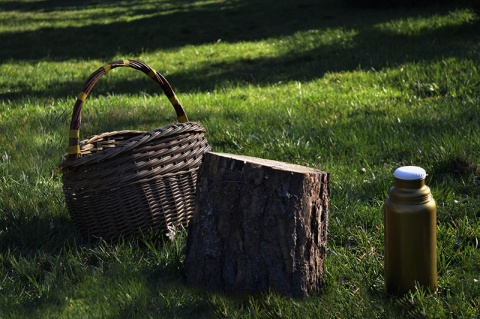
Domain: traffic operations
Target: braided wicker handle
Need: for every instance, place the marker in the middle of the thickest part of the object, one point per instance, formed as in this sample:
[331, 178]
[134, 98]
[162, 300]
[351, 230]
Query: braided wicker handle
[74, 133]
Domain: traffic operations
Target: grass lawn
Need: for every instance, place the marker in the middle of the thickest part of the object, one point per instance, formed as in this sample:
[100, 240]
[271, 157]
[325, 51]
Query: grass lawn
[353, 91]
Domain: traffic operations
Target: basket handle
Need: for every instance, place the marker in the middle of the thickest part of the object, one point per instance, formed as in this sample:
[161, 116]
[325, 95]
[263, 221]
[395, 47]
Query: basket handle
[74, 133]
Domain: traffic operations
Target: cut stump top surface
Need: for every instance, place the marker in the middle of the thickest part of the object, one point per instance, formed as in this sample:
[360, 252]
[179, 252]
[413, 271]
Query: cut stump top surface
[271, 163]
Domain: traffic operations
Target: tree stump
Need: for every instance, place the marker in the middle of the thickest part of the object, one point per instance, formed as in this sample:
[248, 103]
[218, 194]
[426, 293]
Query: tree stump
[258, 226]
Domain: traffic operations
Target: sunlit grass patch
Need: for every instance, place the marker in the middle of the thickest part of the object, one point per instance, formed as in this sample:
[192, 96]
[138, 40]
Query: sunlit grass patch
[420, 24]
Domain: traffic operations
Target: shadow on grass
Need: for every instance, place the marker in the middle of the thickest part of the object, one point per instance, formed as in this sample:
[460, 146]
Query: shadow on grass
[50, 269]
[29, 234]
[184, 24]
[181, 25]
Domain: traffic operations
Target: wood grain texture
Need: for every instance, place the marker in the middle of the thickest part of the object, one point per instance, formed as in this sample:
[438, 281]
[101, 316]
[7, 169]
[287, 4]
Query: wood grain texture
[258, 226]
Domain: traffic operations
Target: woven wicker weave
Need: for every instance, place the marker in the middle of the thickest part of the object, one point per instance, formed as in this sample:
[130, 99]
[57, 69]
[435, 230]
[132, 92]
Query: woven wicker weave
[123, 182]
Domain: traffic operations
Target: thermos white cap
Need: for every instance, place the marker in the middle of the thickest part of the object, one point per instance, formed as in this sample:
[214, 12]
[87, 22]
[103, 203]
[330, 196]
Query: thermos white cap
[410, 173]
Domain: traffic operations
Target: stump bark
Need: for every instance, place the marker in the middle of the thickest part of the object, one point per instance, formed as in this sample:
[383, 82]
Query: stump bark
[258, 226]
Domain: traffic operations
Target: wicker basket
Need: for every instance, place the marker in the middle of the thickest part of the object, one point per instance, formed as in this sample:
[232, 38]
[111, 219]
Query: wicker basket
[120, 183]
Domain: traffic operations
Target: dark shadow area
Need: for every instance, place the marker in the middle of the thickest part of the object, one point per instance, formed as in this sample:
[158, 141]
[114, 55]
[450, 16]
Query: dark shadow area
[20, 233]
[74, 259]
[240, 21]
[408, 3]
[49, 5]
[182, 25]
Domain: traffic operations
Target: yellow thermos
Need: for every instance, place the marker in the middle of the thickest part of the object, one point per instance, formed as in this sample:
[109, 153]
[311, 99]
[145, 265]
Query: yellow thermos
[410, 233]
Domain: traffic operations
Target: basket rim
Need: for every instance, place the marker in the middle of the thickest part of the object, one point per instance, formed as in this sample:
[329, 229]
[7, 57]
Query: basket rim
[133, 142]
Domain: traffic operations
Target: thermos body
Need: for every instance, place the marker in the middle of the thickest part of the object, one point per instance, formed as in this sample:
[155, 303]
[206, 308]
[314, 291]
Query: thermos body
[410, 236]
